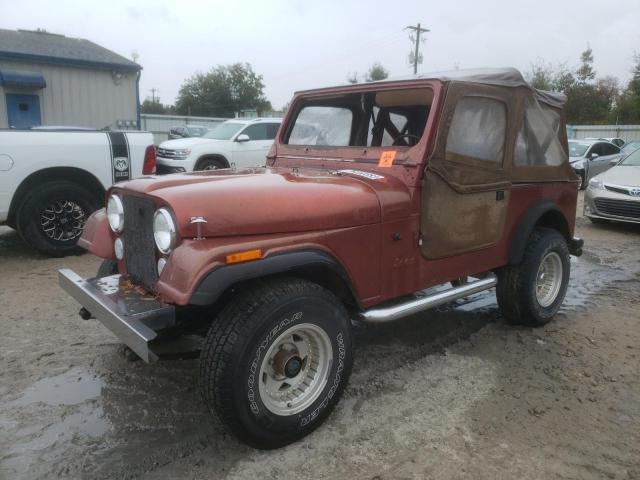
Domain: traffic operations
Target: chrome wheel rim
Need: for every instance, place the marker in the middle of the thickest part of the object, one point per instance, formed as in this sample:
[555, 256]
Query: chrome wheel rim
[63, 220]
[295, 370]
[549, 279]
[211, 167]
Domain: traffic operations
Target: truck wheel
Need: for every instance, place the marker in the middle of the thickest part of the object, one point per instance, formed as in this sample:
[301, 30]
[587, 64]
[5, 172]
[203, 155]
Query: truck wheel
[51, 219]
[210, 164]
[531, 293]
[276, 360]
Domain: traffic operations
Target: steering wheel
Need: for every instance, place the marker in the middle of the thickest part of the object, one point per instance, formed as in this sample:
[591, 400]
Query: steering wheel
[408, 136]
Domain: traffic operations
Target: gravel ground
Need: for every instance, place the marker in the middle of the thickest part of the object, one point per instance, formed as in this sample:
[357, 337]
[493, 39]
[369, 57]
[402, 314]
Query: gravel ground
[452, 393]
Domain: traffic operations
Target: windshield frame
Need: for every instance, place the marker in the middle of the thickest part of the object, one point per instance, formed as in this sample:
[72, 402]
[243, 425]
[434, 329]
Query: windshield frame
[224, 127]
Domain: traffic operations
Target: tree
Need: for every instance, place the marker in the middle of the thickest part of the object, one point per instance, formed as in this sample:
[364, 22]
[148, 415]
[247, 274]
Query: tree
[376, 72]
[151, 106]
[352, 77]
[585, 72]
[223, 91]
[627, 109]
[541, 76]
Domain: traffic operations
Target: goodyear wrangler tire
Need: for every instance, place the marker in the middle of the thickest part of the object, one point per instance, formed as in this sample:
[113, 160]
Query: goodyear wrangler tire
[532, 292]
[276, 360]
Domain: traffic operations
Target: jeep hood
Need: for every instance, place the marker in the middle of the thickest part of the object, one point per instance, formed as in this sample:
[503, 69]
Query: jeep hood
[273, 200]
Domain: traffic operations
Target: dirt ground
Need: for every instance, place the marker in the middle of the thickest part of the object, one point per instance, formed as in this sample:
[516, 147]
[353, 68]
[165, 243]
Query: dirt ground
[452, 393]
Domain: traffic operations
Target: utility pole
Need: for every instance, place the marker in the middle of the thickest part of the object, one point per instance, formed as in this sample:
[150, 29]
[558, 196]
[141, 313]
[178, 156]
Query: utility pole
[416, 54]
[153, 94]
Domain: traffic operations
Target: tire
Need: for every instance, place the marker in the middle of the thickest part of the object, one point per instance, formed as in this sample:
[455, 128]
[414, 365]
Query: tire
[583, 180]
[210, 164]
[51, 219]
[107, 268]
[235, 368]
[524, 295]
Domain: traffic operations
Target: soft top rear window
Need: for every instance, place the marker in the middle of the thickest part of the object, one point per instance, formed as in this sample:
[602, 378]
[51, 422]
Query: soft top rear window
[364, 119]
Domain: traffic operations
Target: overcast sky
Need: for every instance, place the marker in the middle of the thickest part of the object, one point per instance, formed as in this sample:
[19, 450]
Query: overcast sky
[297, 45]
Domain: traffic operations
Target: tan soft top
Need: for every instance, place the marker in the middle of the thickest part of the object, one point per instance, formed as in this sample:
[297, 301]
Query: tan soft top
[504, 77]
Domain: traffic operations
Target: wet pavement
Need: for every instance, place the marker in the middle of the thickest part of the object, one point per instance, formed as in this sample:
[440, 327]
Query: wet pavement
[96, 414]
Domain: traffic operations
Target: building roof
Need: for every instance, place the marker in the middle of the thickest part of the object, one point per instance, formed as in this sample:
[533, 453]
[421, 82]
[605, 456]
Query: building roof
[40, 46]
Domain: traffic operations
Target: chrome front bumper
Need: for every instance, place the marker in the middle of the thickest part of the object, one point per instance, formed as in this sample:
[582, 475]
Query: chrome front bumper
[134, 317]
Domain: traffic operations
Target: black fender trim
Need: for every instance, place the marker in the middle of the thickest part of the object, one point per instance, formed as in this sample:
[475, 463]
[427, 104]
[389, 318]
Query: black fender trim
[217, 281]
[525, 226]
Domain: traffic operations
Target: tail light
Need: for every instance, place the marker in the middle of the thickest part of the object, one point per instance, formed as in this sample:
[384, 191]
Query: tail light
[149, 165]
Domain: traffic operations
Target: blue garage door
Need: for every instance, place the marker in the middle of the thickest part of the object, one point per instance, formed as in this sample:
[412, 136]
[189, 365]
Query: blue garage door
[23, 110]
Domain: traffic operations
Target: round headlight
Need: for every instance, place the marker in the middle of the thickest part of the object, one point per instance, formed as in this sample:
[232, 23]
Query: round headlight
[164, 230]
[115, 213]
[118, 248]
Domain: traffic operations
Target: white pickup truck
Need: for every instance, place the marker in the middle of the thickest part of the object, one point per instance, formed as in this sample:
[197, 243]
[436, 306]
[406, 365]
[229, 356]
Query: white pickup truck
[51, 181]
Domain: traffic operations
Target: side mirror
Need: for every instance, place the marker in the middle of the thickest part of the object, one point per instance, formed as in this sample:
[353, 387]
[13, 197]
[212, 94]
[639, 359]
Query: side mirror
[593, 156]
[243, 137]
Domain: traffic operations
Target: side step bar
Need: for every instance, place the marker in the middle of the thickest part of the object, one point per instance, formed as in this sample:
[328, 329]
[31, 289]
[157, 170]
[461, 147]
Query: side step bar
[419, 303]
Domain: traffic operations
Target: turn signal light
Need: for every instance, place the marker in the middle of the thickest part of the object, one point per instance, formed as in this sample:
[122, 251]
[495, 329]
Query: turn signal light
[244, 256]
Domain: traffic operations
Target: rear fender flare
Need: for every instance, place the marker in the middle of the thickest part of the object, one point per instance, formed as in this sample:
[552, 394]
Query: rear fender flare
[546, 214]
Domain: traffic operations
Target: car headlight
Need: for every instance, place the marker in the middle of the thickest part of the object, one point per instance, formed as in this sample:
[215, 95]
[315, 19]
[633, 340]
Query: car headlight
[596, 183]
[182, 152]
[164, 230]
[115, 213]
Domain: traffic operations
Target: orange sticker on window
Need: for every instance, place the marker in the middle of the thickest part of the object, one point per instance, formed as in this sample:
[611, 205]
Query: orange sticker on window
[387, 158]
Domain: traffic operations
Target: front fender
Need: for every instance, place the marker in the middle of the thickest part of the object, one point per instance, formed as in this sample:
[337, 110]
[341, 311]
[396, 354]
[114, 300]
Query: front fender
[97, 237]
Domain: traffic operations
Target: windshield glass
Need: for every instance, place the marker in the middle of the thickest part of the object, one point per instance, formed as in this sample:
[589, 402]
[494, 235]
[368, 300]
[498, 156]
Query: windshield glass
[632, 160]
[197, 131]
[631, 147]
[224, 131]
[577, 149]
[363, 119]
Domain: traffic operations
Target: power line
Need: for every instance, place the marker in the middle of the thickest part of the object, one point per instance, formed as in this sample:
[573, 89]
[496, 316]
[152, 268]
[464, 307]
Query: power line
[416, 55]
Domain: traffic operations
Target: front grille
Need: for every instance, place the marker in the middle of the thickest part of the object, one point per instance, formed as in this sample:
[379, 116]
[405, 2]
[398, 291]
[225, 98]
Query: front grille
[619, 189]
[619, 208]
[168, 153]
[164, 169]
[139, 245]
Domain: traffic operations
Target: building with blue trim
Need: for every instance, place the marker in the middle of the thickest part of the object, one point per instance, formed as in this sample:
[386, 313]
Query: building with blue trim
[48, 79]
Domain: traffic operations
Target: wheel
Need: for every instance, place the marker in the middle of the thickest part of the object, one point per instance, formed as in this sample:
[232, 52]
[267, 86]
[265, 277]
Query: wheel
[51, 219]
[107, 268]
[210, 164]
[583, 180]
[531, 293]
[276, 360]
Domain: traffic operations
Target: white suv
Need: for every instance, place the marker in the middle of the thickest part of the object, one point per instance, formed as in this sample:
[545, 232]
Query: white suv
[243, 142]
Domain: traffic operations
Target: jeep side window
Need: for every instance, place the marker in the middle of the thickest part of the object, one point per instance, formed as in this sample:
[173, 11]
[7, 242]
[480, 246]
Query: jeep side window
[477, 131]
[257, 131]
[538, 141]
[322, 125]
